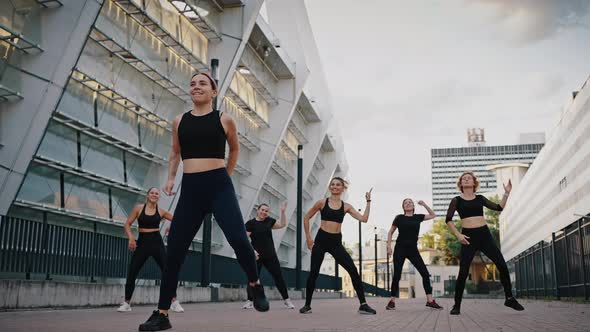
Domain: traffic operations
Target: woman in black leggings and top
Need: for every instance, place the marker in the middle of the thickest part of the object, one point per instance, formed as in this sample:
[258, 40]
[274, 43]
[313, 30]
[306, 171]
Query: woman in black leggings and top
[199, 137]
[149, 244]
[329, 240]
[259, 229]
[475, 236]
[406, 246]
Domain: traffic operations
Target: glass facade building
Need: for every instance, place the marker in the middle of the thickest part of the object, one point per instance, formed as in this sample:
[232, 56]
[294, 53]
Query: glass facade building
[89, 90]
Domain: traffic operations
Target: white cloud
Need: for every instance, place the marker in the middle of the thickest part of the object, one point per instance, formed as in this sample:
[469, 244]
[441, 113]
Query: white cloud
[529, 21]
[408, 76]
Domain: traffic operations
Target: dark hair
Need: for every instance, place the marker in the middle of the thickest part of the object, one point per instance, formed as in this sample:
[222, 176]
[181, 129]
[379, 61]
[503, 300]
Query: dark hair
[344, 182]
[261, 205]
[211, 80]
[405, 199]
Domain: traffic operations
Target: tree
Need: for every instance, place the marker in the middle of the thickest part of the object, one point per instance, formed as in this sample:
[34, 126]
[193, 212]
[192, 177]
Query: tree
[493, 220]
[441, 238]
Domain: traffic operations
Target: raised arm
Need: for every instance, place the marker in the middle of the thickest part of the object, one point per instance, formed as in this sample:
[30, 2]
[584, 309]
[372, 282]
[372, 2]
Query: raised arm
[283, 221]
[314, 209]
[493, 206]
[127, 226]
[355, 214]
[174, 158]
[507, 190]
[231, 134]
[431, 214]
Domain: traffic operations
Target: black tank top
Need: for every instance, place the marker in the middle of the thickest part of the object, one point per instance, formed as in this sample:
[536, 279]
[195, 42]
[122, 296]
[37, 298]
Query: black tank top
[145, 221]
[201, 136]
[470, 208]
[328, 214]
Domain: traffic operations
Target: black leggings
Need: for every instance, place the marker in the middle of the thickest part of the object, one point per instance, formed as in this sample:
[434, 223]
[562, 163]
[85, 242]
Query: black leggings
[274, 268]
[148, 245]
[400, 253]
[203, 193]
[331, 243]
[481, 239]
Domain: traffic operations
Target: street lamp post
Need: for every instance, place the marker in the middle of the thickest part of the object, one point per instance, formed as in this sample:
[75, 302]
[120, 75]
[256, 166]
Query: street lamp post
[207, 222]
[376, 270]
[360, 250]
[387, 286]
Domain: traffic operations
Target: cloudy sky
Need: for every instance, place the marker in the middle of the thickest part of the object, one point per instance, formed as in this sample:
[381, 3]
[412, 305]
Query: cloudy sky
[408, 76]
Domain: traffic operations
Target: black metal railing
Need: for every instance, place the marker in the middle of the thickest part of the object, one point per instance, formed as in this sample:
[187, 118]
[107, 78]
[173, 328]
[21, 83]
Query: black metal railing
[29, 249]
[557, 267]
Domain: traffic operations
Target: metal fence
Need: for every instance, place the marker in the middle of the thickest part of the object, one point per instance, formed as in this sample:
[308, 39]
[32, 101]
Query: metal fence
[29, 249]
[557, 267]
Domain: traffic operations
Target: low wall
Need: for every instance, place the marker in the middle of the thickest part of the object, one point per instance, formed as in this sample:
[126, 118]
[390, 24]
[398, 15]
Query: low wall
[29, 294]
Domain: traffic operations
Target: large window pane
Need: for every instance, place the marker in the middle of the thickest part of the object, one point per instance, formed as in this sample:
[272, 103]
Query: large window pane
[117, 120]
[143, 173]
[59, 143]
[102, 158]
[41, 185]
[155, 138]
[86, 196]
[78, 102]
[123, 203]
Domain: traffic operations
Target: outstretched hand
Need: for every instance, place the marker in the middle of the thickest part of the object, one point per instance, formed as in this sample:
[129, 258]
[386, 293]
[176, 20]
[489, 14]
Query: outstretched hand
[508, 187]
[168, 188]
[368, 195]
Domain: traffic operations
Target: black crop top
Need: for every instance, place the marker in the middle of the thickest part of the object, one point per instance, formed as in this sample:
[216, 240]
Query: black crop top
[145, 221]
[328, 214]
[201, 136]
[470, 208]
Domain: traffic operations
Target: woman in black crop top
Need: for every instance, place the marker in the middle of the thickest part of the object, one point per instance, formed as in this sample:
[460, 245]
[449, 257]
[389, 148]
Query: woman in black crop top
[149, 243]
[475, 236]
[198, 139]
[406, 246]
[329, 240]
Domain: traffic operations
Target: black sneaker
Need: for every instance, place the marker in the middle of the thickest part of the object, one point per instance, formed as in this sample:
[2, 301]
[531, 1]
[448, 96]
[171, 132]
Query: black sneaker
[390, 305]
[258, 297]
[512, 303]
[157, 322]
[433, 305]
[305, 310]
[456, 310]
[364, 309]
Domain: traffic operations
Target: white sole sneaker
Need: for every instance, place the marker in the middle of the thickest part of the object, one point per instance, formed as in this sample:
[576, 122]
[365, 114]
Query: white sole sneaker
[124, 308]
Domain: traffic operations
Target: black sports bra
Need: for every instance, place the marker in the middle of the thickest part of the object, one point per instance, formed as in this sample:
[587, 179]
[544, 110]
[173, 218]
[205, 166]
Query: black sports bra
[470, 208]
[328, 214]
[201, 136]
[145, 221]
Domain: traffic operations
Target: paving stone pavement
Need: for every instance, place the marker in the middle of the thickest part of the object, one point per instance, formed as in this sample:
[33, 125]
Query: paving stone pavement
[328, 315]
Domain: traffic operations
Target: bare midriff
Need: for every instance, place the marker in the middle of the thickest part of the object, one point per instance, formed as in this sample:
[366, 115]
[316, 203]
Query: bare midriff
[473, 222]
[196, 165]
[148, 230]
[331, 227]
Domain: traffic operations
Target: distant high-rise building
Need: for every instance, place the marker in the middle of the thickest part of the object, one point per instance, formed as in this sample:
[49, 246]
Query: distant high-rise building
[449, 163]
[476, 137]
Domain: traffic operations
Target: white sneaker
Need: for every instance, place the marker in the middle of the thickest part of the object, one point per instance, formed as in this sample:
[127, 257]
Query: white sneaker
[125, 307]
[248, 305]
[289, 304]
[175, 306]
